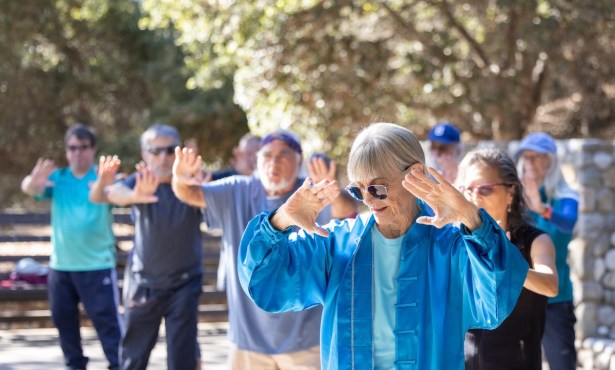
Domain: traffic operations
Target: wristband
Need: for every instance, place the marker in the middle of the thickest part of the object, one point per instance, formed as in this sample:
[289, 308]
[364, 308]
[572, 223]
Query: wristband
[547, 212]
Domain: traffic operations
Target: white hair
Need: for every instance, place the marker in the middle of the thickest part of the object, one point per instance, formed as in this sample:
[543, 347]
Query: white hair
[382, 150]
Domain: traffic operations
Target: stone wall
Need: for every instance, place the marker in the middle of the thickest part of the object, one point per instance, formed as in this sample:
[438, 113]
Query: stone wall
[590, 167]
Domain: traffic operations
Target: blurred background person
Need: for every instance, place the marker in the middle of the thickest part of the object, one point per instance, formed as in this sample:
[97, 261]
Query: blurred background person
[445, 149]
[164, 271]
[488, 178]
[244, 158]
[554, 208]
[83, 256]
[259, 340]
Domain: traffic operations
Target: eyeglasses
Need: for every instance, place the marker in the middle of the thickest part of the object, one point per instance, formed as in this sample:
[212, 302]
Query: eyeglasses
[484, 190]
[74, 148]
[377, 191]
[157, 150]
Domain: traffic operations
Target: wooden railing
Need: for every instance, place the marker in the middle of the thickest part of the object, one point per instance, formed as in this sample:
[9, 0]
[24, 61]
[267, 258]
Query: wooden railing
[25, 304]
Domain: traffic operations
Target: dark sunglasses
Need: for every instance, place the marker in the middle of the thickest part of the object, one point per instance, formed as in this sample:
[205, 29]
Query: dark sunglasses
[484, 190]
[74, 148]
[157, 150]
[377, 191]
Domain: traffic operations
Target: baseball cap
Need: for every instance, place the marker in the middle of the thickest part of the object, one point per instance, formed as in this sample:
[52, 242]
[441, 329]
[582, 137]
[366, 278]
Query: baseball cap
[444, 132]
[539, 142]
[286, 136]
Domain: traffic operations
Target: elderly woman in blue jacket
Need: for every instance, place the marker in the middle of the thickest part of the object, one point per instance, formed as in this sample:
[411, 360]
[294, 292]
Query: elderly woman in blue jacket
[400, 285]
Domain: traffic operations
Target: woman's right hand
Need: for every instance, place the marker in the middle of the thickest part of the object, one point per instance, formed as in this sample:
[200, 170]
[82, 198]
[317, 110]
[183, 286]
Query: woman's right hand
[302, 208]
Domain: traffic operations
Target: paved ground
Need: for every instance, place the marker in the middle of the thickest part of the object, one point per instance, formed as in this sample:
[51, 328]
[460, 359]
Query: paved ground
[36, 349]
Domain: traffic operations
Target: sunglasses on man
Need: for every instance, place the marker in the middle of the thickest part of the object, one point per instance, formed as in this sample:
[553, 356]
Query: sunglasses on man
[157, 150]
[81, 148]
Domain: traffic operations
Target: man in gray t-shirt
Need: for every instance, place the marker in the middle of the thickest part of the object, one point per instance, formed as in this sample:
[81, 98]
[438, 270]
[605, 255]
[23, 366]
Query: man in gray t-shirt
[260, 340]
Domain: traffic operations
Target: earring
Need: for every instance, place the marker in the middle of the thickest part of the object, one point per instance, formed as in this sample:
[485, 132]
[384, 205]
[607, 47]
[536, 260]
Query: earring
[509, 208]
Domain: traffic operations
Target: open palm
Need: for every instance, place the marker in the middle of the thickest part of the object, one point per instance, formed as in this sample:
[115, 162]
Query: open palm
[302, 208]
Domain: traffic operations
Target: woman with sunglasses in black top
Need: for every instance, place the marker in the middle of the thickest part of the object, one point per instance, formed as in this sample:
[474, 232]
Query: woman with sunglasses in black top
[399, 285]
[488, 178]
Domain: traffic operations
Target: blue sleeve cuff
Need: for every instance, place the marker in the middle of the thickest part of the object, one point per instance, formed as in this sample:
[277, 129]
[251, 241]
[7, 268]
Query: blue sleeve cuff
[483, 236]
[272, 233]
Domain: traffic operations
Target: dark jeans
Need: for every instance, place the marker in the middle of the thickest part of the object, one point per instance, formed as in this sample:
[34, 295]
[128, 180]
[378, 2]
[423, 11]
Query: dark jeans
[144, 310]
[558, 339]
[98, 292]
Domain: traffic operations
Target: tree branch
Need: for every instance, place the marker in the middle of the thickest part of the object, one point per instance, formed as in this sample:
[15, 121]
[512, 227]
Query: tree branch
[413, 32]
[511, 38]
[483, 60]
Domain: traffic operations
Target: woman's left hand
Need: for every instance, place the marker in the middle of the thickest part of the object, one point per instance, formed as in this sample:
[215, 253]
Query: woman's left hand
[448, 204]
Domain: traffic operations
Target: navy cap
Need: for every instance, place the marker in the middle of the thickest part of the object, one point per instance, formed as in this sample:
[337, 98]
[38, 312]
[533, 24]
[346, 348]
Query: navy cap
[539, 142]
[286, 136]
[444, 132]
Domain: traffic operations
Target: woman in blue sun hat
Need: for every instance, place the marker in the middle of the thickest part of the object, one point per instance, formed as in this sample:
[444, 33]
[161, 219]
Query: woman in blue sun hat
[554, 209]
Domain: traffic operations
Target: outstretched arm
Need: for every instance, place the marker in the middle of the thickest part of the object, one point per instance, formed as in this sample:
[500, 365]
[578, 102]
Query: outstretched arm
[36, 182]
[188, 177]
[143, 192]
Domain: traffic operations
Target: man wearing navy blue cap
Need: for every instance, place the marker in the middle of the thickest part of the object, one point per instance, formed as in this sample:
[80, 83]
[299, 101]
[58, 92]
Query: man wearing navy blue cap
[259, 340]
[445, 149]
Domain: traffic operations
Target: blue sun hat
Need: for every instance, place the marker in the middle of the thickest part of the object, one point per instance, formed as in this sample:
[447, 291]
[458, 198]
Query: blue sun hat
[444, 132]
[538, 142]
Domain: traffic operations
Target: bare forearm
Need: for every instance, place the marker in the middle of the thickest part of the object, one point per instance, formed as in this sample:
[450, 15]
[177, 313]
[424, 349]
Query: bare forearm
[30, 188]
[189, 194]
[541, 283]
[119, 194]
[97, 193]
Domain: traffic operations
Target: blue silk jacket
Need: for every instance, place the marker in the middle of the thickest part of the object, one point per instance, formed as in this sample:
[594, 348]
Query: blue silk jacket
[449, 280]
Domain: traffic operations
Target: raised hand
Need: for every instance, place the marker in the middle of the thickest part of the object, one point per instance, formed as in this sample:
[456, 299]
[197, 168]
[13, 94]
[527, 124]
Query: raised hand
[531, 191]
[107, 169]
[187, 167]
[302, 208]
[448, 204]
[39, 177]
[319, 170]
[145, 186]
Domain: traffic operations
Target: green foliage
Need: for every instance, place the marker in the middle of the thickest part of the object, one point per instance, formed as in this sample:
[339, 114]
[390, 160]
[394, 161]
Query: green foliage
[88, 61]
[326, 68]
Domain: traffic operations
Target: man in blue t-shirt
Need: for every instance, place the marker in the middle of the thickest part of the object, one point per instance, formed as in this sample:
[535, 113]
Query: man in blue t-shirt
[165, 268]
[83, 259]
[259, 340]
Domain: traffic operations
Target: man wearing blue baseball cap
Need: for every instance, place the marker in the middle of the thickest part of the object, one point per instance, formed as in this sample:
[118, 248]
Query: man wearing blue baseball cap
[259, 340]
[554, 209]
[445, 149]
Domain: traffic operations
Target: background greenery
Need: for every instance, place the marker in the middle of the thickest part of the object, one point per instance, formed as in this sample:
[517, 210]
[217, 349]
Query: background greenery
[217, 68]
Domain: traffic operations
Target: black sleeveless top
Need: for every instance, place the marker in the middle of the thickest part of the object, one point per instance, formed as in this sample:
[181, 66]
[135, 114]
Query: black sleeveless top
[515, 344]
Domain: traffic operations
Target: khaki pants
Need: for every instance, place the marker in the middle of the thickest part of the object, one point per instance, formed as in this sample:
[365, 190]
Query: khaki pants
[301, 360]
